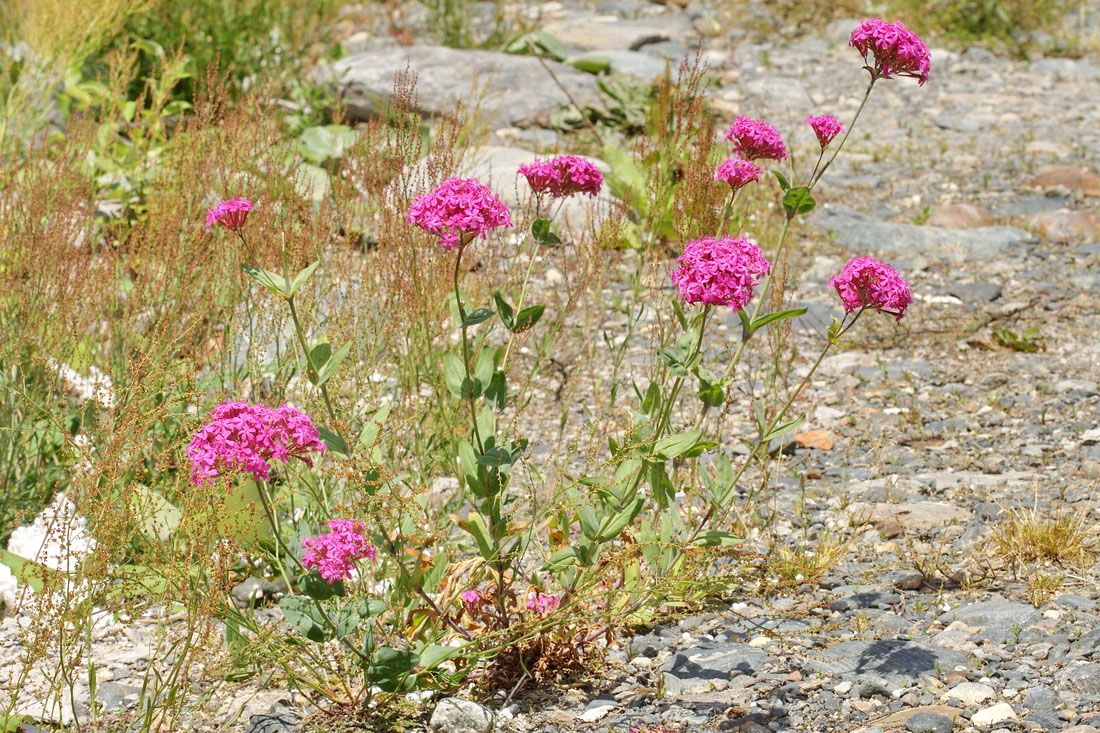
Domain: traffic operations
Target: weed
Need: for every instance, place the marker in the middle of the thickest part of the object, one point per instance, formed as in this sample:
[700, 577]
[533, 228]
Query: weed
[1025, 537]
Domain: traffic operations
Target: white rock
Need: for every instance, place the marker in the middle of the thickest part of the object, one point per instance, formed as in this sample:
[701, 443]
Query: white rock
[970, 693]
[593, 714]
[993, 715]
[455, 715]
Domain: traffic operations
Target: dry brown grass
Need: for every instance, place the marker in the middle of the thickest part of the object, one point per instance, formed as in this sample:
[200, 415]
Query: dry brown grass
[1027, 536]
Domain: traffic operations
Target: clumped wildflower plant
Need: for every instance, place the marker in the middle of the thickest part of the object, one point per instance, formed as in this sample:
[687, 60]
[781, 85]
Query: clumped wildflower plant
[505, 583]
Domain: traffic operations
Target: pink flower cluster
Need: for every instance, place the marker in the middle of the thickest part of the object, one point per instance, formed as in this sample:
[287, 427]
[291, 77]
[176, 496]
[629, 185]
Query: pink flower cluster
[231, 214]
[540, 603]
[737, 172]
[458, 208]
[867, 283]
[720, 271]
[895, 48]
[334, 553]
[563, 176]
[754, 139]
[247, 437]
[826, 127]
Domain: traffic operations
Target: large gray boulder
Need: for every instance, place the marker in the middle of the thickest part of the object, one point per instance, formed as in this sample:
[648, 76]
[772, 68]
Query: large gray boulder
[509, 89]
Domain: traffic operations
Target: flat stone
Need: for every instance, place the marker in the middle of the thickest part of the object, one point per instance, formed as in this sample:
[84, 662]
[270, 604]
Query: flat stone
[1066, 226]
[514, 90]
[959, 216]
[969, 693]
[695, 671]
[1069, 177]
[1040, 698]
[857, 232]
[992, 715]
[995, 614]
[927, 722]
[591, 31]
[975, 292]
[455, 715]
[640, 65]
[116, 696]
[1082, 679]
[780, 92]
[915, 515]
[899, 720]
[897, 663]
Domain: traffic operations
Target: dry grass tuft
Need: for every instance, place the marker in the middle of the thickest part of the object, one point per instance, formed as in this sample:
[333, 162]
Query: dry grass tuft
[791, 566]
[1027, 537]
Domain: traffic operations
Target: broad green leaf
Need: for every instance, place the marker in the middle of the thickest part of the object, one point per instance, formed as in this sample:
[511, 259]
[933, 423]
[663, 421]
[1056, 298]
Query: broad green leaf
[798, 201]
[322, 143]
[354, 613]
[161, 517]
[475, 525]
[539, 229]
[320, 354]
[454, 374]
[370, 431]
[302, 276]
[672, 446]
[311, 182]
[496, 394]
[563, 558]
[277, 284]
[777, 316]
[590, 63]
[332, 364]
[304, 616]
[29, 571]
[783, 182]
[715, 538]
[495, 457]
[618, 523]
[506, 311]
[476, 317]
[334, 441]
[319, 589]
[528, 317]
[389, 668]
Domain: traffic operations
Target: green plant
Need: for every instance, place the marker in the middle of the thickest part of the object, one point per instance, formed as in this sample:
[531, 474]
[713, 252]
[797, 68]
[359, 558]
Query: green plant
[1028, 340]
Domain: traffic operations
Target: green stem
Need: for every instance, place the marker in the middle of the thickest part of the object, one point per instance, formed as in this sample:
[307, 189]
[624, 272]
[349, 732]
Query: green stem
[313, 374]
[526, 280]
[820, 173]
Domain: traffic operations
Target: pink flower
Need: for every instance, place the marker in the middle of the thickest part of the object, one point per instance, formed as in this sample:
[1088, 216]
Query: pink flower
[458, 210]
[470, 597]
[826, 127]
[754, 139]
[334, 554]
[540, 603]
[896, 50]
[720, 271]
[867, 283]
[247, 437]
[563, 176]
[737, 172]
[231, 214]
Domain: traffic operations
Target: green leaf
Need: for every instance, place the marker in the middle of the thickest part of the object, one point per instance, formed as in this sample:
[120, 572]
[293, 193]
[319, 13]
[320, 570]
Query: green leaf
[590, 524]
[331, 365]
[539, 229]
[782, 430]
[672, 446]
[528, 317]
[161, 517]
[370, 431]
[319, 354]
[322, 143]
[560, 560]
[319, 589]
[478, 316]
[777, 316]
[590, 63]
[454, 372]
[674, 356]
[390, 667]
[277, 284]
[475, 525]
[506, 311]
[354, 613]
[783, 182]
[304, 616]
[495, 457]
[311, 182]
[28, 571]
[433, 655]
[334, 441]
[715, 538]
[616, 524]
[496, 394]
[301, 277]
[798, 201]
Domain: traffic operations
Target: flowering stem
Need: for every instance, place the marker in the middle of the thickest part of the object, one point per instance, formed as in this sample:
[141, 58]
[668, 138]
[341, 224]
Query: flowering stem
[466, 342]
[727, 211]
[526, 280]
[851, 126]
[679, 383]
[313, 375]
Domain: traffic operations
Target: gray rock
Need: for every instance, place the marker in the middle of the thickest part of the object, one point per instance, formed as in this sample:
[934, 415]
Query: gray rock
[857, 232]
[696, 670]
[1041, 699]
[928, 722]
[1082, 679]
[115, 696]
[248, 592]
[591, 32]
[780, 92]
[1072, 600]
[640, 65]
[455, 715]
[995, 614]
[896, 663]
[517, 90]
[975, 292]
